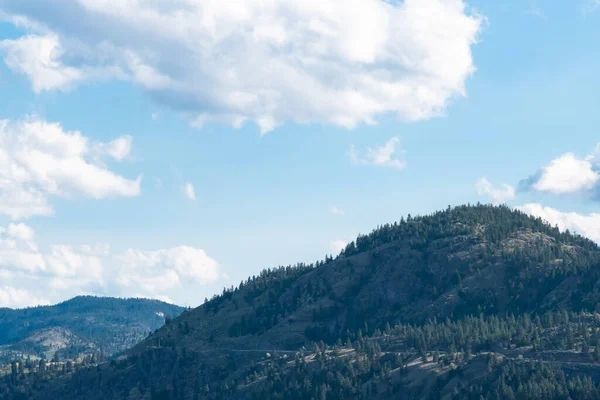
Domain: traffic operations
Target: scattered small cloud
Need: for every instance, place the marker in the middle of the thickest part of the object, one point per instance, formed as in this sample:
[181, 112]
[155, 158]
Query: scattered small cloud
[565, 174]
[496, 195]
[39, 160]
[337, 211]
[118, 149]
[188, 189]
[387, 155]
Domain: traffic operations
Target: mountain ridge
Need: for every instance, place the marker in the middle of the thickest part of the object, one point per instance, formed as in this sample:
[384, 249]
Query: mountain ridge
[406, 310]
[83, 324]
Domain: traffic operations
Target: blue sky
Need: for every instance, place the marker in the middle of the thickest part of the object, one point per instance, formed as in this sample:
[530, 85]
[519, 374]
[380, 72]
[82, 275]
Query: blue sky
[364, 129]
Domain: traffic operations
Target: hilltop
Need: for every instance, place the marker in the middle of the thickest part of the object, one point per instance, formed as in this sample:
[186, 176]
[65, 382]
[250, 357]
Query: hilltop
[82, 325]
[469, 302]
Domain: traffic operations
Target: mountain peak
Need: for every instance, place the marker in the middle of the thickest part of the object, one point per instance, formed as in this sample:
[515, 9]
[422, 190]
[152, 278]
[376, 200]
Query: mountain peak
[465, 266]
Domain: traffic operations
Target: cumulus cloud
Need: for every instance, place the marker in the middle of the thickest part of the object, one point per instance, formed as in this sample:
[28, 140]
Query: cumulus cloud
[21, 232]
[19, 252]
[496, 195]
[341, 62]
[585, 225]
[188, 189]
[38, 58]
[40, 159]
[19, 298]
[387, 155]
[156, 271]
[566, 174]
[63, 271]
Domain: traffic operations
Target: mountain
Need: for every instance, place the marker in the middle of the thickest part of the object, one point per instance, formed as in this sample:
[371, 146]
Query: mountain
[473, 302]
[82, 325]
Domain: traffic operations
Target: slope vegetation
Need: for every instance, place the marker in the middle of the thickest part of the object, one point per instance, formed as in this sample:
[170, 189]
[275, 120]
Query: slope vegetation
[470, 302]
[83, 324]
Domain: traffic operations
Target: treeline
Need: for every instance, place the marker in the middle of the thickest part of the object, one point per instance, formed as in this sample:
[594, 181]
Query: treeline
[499, 222]
[374, 366]
[85, 323]
[25, 376]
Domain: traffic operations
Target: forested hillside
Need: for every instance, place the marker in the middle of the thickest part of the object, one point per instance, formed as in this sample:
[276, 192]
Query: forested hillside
[83, 325]
[475, 302]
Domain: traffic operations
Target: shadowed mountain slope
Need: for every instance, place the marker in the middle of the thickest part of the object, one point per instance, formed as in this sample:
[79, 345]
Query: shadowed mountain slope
[469, 301]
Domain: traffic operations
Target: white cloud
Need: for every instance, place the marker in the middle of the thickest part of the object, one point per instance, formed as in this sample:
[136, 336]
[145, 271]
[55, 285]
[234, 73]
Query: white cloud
[188, 189]
[496, 195]
[40, 159]
[6, 275]
[385, 156]
[337, 246]
[567, 174]
[19, 298]
[19, 252]
[585, 225]
[64, 261]
[340, 62]
[19, 202]
[38, 57]
[158, 282]
[182, 261]
[118, 148]
[101, 249]
[21, 232]
[65, 271]
[337, 211]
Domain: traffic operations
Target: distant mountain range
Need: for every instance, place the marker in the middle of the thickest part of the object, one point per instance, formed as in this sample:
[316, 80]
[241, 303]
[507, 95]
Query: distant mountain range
[82, 325]
[473, 302]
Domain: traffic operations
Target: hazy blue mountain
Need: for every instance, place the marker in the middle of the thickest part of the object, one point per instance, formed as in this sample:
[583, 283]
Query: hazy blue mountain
[84, 324]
